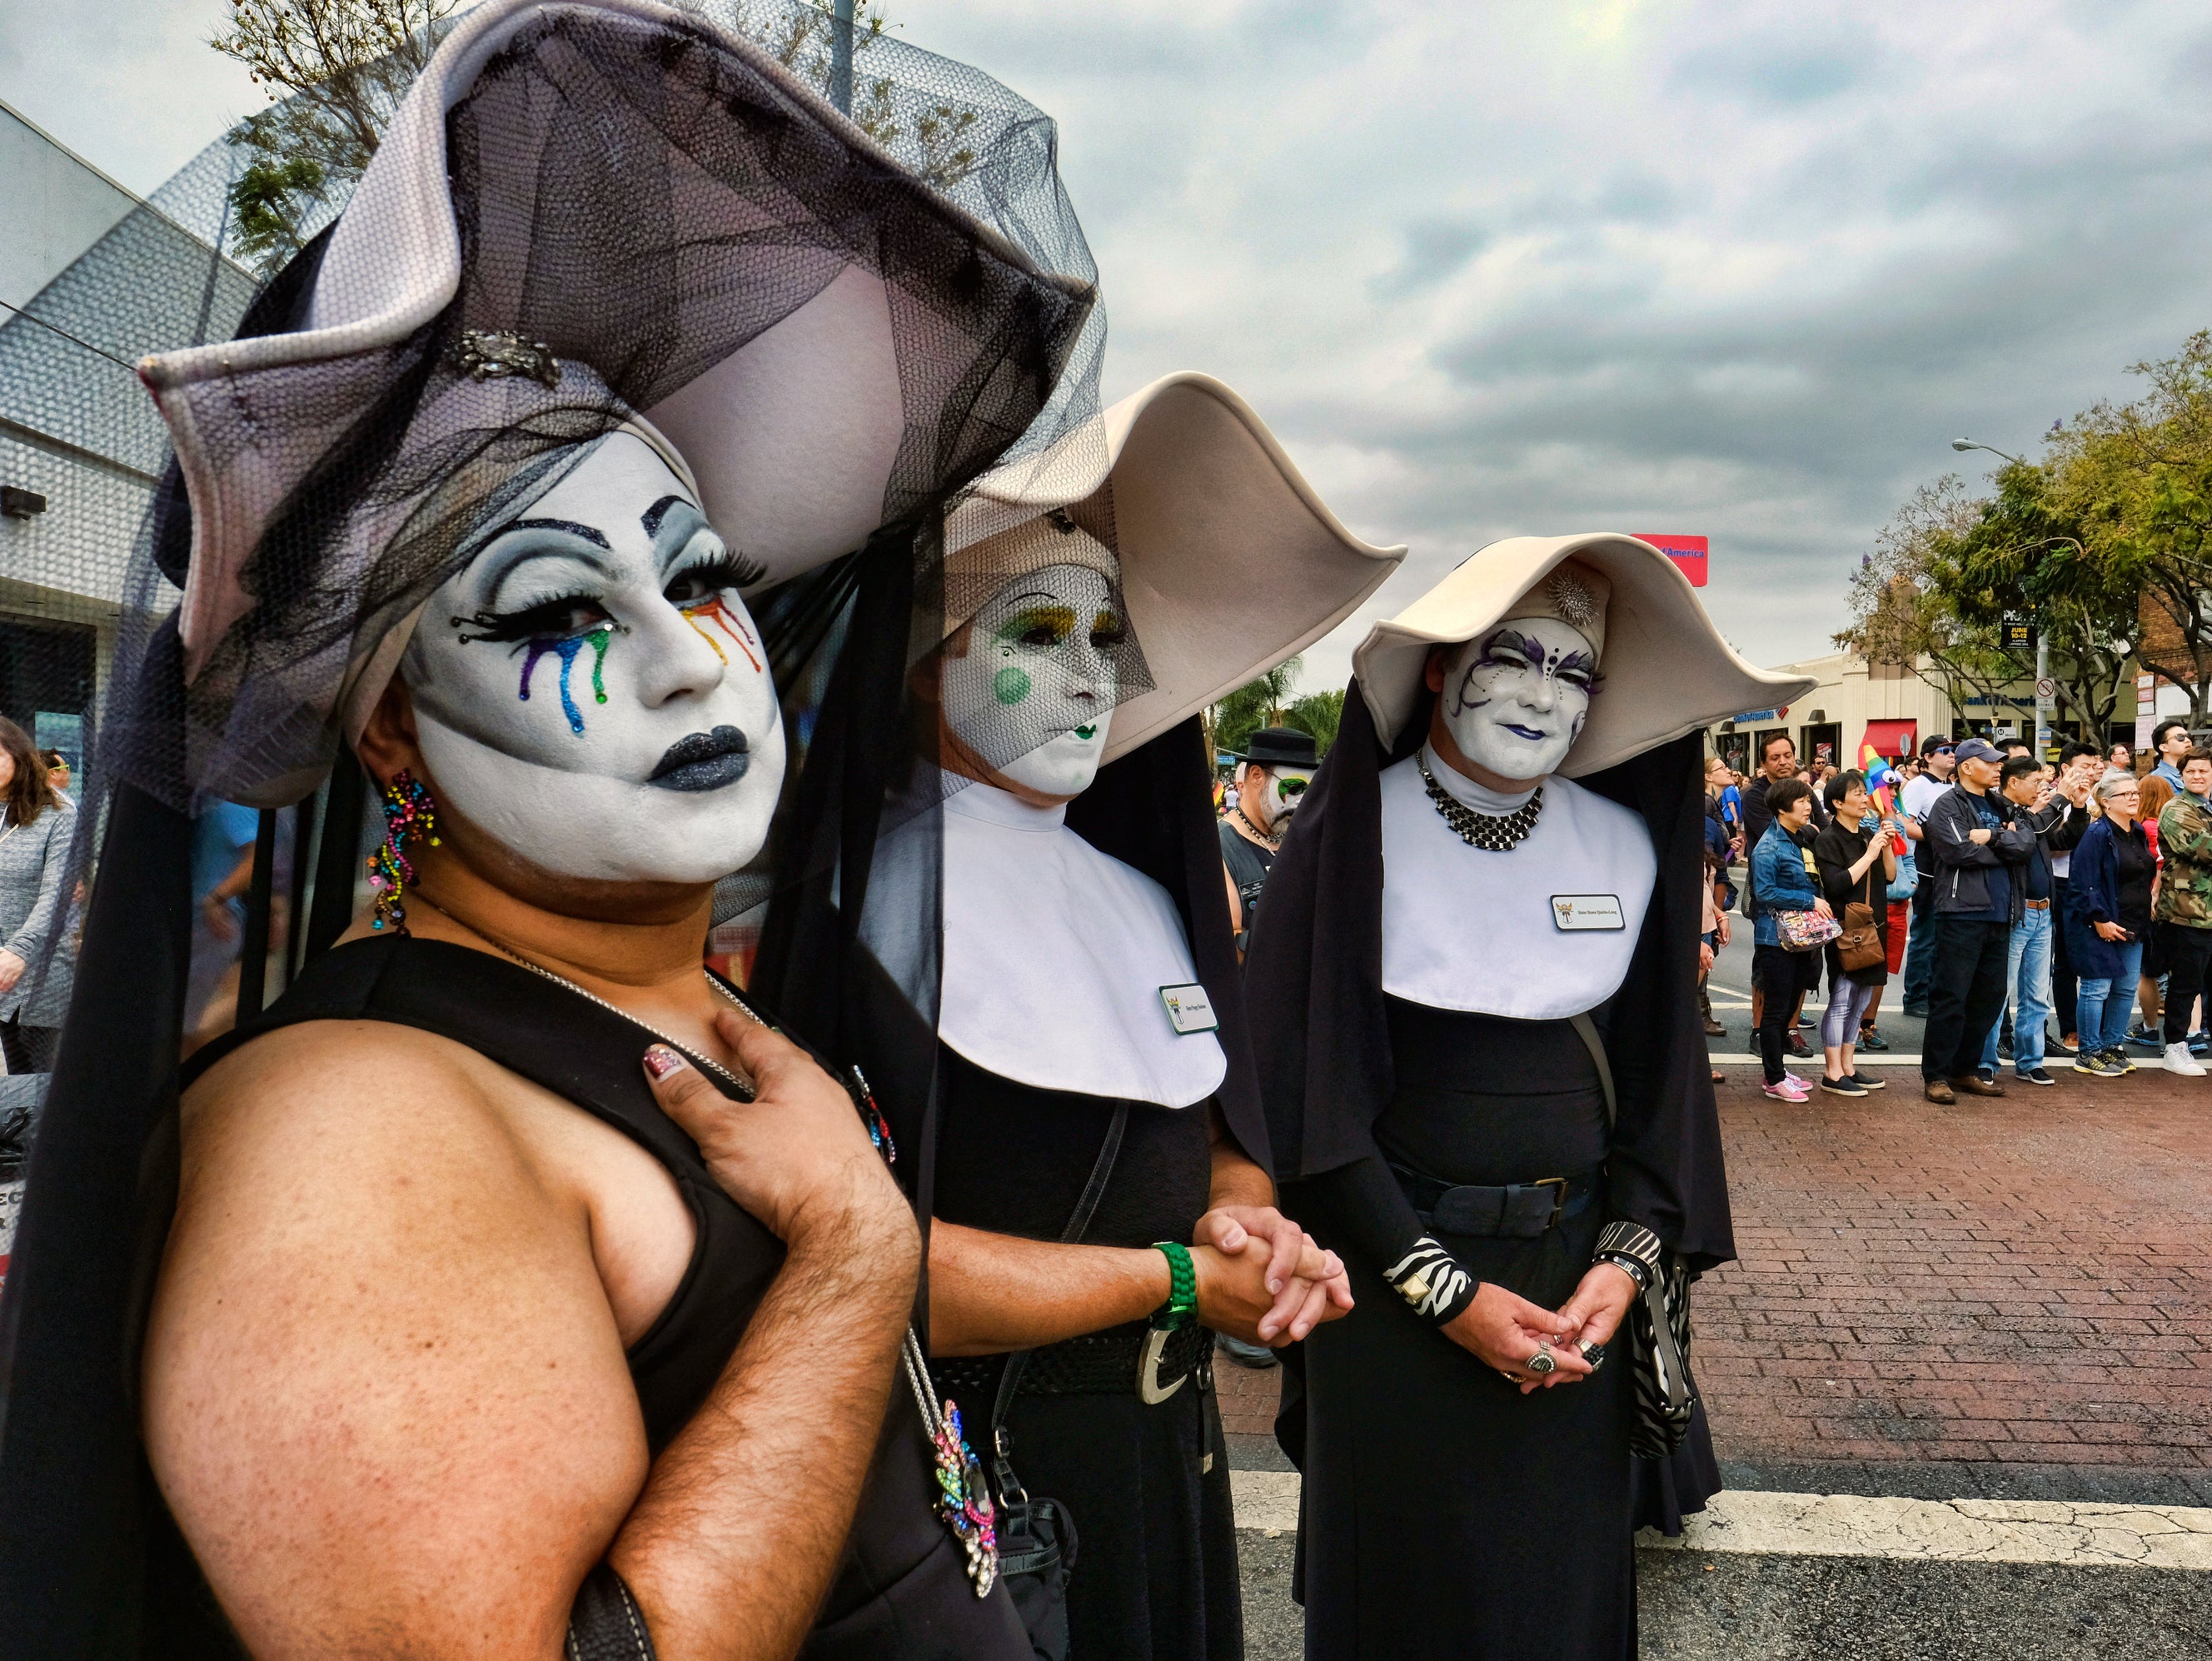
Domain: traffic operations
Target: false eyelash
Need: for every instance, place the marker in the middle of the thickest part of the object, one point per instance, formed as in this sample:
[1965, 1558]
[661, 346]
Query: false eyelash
[725, 569]
[546, 620]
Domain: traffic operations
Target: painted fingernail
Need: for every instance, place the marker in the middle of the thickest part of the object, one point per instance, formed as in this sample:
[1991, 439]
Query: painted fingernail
[660, 1061]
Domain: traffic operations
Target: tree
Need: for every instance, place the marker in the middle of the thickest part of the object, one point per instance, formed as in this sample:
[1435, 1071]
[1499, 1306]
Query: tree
[340, 69]
[1319, 713]
[1901, 609]
[2030, 552]
[1256, 703]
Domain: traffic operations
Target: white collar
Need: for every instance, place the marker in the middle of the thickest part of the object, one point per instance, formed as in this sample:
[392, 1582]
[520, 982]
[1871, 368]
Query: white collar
[1468, 793]
[1054, 956]
[1475, 929]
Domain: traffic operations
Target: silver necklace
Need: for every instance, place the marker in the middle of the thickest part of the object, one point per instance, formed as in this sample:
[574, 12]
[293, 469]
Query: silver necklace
[1497, 833]
[744, 1091]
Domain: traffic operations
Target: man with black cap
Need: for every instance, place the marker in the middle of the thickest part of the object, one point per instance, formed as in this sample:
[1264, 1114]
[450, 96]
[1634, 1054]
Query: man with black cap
[1976, 847]
[1272, 775]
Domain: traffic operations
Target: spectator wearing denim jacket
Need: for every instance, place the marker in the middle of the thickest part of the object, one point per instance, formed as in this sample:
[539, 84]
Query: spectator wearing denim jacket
[1785, 879]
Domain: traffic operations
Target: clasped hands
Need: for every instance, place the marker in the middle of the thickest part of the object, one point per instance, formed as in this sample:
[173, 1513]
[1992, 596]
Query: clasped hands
[1261, 1278]
[1505, 1331]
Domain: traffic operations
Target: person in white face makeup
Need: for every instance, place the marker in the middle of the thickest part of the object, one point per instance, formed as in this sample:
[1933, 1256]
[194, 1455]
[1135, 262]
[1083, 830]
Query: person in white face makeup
[1101, 1198]
[515, 1287]
[1272, 776]
[1472, 991]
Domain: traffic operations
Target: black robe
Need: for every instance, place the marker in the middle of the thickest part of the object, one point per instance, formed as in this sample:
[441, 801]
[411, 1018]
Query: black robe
[1322, 1033]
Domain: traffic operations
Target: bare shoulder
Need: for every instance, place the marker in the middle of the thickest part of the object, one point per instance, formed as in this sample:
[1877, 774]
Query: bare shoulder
[381, 1358]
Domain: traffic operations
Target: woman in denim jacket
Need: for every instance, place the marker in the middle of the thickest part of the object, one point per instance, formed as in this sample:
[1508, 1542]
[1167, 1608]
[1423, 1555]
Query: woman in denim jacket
[1784, 877]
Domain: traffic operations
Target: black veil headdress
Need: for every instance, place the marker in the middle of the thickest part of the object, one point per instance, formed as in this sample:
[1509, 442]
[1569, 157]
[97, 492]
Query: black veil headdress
[586, 214]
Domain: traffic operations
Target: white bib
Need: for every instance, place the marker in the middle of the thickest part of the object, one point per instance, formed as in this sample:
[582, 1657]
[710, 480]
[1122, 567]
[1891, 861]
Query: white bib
[1531, 932]
[1055, 958]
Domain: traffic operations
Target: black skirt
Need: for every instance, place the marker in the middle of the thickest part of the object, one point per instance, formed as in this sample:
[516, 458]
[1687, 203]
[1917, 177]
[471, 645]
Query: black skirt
[1156, 1572]
[1446, 1514]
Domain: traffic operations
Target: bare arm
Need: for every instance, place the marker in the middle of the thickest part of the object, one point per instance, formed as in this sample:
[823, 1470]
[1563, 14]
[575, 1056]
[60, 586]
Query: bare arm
[990, 1293]
[381, 1307]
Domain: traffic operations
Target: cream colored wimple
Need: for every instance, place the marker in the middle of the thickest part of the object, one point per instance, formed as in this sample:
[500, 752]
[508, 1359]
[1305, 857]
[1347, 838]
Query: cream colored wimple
[1574, 593]
[372, 671]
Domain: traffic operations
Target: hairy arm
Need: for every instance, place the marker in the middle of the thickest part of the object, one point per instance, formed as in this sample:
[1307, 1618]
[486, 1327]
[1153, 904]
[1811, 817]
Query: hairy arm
[387, 1392]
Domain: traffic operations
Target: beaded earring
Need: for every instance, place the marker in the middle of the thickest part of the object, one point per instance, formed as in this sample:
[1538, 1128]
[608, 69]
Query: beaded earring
[409, 812]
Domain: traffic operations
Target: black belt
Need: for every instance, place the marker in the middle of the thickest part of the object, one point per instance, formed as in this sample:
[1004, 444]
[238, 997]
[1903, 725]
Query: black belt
[1097, 1364]
[1517, 1211]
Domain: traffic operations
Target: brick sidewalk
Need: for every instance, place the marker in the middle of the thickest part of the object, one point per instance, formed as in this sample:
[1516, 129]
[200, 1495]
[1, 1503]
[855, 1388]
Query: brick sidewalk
[2023, 1283]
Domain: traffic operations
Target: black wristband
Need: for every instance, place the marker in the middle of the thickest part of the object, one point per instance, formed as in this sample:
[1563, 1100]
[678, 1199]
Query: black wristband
[605, 1623]
[1431, 1282]
[1634, 1248]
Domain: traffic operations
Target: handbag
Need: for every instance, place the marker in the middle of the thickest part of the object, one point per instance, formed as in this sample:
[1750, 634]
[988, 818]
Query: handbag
[1908, 875]
[1804, 931]
[1658, 1321]
[1036, 1537]
[1858, 946]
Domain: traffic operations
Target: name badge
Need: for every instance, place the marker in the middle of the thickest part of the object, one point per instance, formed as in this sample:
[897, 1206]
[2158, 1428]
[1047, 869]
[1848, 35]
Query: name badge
[1573, 913]
[1189, 1010]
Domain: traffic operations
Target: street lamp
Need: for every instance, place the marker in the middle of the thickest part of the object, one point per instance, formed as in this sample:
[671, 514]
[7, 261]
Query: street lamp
[1963, 445]
[2044, 702]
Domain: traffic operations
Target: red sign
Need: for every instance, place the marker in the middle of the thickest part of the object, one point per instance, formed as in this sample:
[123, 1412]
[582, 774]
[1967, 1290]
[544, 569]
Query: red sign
[1688, 553]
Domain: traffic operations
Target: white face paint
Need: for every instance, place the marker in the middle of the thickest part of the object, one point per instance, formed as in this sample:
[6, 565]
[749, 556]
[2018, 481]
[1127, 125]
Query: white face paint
[591, 689]
[1279, 796]
[1515, 699]
[1034, 691]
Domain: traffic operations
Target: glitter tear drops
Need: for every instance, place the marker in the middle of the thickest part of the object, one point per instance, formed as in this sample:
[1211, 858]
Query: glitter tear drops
[1496, 832]
[409, 812]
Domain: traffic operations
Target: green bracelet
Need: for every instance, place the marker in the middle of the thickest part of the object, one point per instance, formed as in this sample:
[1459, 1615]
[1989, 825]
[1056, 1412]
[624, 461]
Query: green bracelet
[1181, 1306]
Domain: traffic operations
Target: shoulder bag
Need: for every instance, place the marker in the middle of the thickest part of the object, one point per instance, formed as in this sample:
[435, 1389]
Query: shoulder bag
[1859, 945]
[1658, 1322]
[1804, 931]
[1036, 1537]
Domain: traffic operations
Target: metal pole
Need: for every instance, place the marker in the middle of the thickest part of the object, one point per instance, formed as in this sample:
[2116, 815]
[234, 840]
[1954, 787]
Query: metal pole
[841, 56]
[2043, 699]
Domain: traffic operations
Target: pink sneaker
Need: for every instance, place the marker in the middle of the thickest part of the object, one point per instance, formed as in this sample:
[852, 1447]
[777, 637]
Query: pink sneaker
[1789, 1090]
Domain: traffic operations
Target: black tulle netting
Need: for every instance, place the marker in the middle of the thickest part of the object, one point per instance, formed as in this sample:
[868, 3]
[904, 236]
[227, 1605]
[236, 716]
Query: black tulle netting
[579, 162]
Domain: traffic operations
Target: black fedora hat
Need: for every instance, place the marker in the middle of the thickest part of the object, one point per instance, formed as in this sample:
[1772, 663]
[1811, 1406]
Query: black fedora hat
[1280, 746]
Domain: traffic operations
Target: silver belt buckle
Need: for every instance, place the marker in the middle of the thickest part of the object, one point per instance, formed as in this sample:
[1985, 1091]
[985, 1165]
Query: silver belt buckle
[1149, 1389]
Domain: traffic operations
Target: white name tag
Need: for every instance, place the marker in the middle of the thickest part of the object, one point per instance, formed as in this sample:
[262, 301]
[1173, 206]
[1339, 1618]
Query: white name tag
[1189, 1010]
[1572, 913]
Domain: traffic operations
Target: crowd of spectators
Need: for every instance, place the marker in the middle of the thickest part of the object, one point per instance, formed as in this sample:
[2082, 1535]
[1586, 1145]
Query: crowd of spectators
[2028, 909]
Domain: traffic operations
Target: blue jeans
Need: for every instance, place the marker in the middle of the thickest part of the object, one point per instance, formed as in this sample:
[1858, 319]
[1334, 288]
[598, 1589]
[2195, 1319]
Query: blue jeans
[2027, 980]
[2101, 1016]
[1920, 945]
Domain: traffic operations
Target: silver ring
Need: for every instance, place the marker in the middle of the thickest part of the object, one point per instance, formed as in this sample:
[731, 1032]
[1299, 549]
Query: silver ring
[1542, 1363]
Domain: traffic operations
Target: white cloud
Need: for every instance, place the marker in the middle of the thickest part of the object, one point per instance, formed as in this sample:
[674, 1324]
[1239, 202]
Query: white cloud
[1696, 266]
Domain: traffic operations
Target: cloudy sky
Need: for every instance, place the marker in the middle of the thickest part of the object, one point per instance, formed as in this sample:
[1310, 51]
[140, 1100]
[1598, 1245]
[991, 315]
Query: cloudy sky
[1487, 270]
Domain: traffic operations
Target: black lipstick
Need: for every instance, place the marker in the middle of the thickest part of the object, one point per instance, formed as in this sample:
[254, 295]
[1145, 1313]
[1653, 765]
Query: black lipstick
[704, 761]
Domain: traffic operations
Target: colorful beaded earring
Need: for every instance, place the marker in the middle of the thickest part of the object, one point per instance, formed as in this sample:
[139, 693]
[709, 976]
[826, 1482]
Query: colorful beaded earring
[409, 812]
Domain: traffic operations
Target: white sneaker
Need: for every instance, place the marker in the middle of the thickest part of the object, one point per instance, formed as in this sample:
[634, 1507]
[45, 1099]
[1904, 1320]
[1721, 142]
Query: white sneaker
[2178, 1059]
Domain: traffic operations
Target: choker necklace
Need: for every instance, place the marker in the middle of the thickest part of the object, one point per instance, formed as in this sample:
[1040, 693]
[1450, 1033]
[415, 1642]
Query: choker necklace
[1275, 842]
[1496, 832]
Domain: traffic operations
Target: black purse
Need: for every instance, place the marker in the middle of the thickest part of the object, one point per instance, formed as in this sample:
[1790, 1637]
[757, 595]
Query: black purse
[1658, 1321]
[1036, 1536]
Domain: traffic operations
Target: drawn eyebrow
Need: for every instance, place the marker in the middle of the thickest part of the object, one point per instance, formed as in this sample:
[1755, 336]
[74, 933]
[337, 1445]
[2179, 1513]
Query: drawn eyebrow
[567, 526]
[650, 517]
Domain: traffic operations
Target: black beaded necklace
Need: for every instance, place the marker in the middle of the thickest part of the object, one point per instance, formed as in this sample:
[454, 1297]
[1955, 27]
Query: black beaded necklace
[1497, 832]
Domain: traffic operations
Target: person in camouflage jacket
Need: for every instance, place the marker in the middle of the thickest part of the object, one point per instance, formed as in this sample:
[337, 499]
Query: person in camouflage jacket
[2182, 913]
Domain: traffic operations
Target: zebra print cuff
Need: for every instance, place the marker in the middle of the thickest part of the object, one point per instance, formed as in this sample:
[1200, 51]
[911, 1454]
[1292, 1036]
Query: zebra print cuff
[1431, 1282]
[1634, 1248]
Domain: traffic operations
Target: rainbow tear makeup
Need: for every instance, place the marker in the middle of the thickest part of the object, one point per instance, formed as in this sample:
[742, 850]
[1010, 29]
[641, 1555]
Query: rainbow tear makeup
[570, 649]
[713, 608]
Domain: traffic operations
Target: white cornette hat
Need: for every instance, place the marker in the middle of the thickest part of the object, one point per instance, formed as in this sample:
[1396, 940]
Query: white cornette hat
[1229, 561]
[1667, 671]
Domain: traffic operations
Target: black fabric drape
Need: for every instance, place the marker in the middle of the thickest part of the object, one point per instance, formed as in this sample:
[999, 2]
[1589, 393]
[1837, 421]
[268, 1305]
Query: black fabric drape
[1313, 989]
